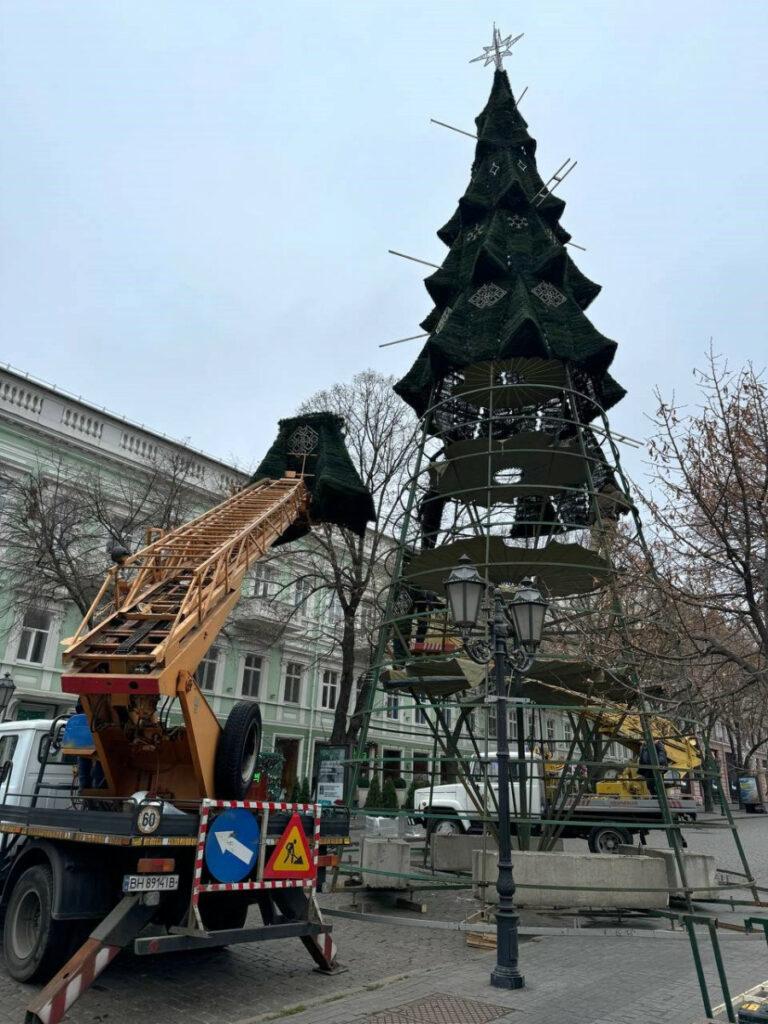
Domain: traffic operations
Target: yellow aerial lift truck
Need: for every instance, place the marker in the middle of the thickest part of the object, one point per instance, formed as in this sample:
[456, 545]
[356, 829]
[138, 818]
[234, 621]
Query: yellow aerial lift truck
[164, 839]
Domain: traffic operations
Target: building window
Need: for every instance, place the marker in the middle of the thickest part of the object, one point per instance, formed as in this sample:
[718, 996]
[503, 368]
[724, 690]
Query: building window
[334, 608]
[330, 690]
[35, 630]
[420, 716]
[393, 706]
[264, 581]
[302, 590]
[206, 671]
[420, 765]
[567, 733]
[366, 616]
[249, 686]
[294, 673]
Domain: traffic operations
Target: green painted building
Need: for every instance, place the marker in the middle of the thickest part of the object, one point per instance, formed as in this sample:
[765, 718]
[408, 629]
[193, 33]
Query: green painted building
[278, 647]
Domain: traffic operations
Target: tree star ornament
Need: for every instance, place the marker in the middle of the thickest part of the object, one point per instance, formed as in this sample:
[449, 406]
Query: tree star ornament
[498, 49]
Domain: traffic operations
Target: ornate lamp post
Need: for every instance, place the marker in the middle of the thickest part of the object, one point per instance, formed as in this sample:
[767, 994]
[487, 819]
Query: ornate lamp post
[7, 687]
[464, 590]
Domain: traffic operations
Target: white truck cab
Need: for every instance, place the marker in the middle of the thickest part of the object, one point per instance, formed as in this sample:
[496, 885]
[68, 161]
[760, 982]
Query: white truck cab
[450, 808]
[21, 743]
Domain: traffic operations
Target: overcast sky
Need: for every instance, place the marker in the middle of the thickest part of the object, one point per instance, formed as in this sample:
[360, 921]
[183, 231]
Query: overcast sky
[197, 197]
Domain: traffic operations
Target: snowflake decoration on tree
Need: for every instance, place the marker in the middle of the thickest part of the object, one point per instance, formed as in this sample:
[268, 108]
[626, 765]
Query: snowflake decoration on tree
[487, 295]
[302, 441]
[550, 235]
[474, 233]
[517, 221]
[495, 168]
[523, 166]
[548, 294]
[443, 317]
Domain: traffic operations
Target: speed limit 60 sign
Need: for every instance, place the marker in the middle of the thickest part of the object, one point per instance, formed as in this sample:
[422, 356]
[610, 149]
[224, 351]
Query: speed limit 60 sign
[149, 816]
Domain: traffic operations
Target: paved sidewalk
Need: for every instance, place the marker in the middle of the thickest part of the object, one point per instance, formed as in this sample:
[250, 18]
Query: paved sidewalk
[580, 980]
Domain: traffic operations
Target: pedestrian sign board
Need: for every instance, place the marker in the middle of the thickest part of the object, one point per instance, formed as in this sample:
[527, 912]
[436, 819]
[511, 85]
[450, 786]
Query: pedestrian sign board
[291, 858]
[232, 845]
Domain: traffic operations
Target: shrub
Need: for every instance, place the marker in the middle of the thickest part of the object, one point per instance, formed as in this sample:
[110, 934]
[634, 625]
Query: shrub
[295, 792]
[363, 781]
[374, 798]
[400, 783]
[419, 782]
[389, 796]
[304, 794]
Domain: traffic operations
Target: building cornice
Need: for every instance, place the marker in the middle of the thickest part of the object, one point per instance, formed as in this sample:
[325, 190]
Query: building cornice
[60, 417]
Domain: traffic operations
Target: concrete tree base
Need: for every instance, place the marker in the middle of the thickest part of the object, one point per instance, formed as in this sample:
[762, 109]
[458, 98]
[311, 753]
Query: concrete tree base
[601, 881]
[699, 870]
[391, 856]
[454, 853]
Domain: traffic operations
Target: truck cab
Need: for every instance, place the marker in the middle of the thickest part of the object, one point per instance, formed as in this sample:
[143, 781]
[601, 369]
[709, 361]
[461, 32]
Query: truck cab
[450, 810]
[23, 748]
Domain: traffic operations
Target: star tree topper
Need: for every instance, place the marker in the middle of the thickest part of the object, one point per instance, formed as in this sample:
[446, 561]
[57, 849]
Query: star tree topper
[498, 49]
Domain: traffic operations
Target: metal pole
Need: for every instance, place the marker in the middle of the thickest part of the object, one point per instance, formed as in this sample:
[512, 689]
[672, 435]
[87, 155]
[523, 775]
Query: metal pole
[523, 826]
[505, 974]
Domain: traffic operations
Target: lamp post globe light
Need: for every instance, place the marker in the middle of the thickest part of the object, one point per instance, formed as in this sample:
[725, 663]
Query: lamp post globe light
[7, 688]
[526, 612]
[465, 589]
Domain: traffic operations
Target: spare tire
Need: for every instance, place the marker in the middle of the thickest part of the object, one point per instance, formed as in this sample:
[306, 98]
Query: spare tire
[238, 748]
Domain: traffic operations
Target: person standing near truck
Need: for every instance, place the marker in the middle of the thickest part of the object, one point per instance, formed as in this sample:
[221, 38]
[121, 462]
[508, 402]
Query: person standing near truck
[646, 770]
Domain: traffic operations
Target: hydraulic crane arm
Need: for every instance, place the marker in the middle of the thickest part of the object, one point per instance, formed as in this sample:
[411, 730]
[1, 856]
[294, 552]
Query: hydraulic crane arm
[160, 610]
[627, 729]
[153, 620]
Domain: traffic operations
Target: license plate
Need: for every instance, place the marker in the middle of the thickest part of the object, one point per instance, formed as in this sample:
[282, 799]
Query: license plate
[150, 883]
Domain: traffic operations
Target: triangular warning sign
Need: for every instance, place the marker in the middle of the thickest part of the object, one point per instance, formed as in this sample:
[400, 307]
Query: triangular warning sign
[291, 857]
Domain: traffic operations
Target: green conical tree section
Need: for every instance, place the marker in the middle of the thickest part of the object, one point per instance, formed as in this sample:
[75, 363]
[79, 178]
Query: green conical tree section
[507, 287]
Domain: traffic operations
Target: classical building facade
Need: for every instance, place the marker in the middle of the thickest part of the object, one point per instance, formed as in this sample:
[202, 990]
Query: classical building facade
[278, 647]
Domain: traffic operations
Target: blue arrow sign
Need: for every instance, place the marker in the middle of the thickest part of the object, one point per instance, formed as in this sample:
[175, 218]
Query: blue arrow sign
[232, 846]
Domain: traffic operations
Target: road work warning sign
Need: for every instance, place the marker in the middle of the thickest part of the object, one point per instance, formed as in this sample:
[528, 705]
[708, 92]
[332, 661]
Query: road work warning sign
[291, 858]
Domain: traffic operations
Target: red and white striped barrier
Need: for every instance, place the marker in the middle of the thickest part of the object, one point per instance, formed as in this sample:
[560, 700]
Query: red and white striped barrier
[259, 883]
[57, 997]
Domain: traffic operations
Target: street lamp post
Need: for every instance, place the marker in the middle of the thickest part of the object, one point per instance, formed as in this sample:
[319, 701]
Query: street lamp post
[7, 687]
[464, 589]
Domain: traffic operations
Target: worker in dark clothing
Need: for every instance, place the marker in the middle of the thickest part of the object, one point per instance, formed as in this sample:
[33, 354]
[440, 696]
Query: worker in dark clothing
[647, 770]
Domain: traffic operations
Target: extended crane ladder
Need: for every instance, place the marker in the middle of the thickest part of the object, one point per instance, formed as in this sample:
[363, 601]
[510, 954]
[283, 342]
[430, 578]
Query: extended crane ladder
[149, 605]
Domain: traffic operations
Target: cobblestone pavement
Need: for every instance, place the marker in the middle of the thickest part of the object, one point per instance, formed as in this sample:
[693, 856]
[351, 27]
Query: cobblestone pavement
[622, 979]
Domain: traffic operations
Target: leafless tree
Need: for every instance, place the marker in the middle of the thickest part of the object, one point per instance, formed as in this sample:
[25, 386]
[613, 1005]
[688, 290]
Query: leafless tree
[334, 569]
[59, 524]
[709, 513]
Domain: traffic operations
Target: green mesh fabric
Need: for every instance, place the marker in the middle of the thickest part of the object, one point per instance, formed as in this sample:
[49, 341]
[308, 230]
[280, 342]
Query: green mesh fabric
[338, 495]
[507, 287]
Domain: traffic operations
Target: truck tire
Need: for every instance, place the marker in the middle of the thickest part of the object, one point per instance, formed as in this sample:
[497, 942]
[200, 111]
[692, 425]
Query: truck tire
[608, 838]
[446, 826]
[237, 751]
[34, 943]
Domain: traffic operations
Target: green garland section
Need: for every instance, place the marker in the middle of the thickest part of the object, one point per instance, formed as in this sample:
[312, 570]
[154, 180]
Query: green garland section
[313, 444]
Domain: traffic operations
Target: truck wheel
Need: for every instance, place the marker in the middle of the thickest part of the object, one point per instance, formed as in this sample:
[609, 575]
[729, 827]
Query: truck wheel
[608, 839]
[237, 752]
[444, 827]
[35, 945]
[222, 911]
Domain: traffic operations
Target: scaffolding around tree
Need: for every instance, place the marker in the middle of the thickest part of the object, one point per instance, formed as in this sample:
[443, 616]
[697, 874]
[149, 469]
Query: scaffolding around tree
[519, 474]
